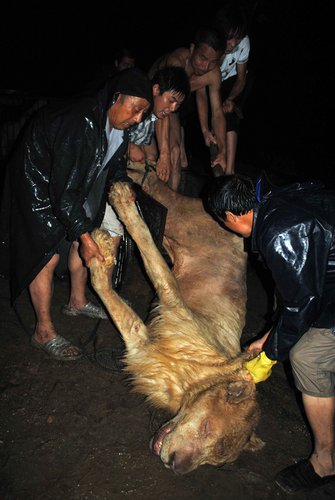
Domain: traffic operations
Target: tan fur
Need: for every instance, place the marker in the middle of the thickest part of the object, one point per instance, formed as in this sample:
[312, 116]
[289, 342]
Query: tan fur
[187, 358]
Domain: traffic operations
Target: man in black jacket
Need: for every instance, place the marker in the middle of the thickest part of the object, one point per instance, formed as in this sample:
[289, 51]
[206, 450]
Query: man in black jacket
[69, 155]
[293, 231]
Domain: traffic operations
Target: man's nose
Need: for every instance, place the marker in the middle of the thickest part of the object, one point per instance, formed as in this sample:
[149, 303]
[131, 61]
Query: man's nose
[205, 65]
[138, 117]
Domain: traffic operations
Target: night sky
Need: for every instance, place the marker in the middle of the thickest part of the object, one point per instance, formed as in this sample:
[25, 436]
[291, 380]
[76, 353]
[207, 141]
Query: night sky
[52, 49]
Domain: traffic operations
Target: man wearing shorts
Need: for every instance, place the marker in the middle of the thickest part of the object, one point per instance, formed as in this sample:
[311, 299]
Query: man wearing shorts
[293, 231]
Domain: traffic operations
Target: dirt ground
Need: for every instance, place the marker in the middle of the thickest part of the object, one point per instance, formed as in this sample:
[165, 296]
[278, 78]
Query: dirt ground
[76, 431]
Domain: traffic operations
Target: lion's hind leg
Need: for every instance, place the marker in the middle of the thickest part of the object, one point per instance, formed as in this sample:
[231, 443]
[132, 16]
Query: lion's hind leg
[123, 198]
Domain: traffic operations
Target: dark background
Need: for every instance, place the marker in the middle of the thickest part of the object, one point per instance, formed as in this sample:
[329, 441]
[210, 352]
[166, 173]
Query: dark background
[66, 439]
[55, 49]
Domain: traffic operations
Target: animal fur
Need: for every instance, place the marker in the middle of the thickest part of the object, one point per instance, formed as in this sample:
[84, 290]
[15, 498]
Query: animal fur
[187, 357]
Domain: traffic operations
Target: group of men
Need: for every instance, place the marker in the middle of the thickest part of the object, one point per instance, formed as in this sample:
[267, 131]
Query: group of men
[71, 153]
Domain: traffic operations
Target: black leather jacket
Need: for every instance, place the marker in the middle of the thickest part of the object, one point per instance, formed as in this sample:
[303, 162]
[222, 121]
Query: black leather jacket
[52, 171]
[293, 232]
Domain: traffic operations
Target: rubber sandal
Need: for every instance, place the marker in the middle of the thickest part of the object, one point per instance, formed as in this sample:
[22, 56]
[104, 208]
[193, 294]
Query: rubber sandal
[301, 476]
[57, 348]
[90, 311]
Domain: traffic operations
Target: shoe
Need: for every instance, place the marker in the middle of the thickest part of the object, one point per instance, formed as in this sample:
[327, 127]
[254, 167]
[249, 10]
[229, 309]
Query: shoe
[90, 311]
[58, 348]
[301, 476]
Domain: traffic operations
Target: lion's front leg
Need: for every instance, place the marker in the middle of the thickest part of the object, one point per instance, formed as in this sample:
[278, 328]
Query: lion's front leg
[129, 324]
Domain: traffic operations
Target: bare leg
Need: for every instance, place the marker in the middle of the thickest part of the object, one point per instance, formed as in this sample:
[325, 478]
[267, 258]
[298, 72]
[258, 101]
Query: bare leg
[175, 147]
[312, 361]
[41, 291]
[320, 413]
[183, 155]
[78, 276]
[231, 151]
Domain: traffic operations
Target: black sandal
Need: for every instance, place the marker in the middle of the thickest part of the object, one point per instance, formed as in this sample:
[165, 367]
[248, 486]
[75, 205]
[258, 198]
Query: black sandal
[301, 476]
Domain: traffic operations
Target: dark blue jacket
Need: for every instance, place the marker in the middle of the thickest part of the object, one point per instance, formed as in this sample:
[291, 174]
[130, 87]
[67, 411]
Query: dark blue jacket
[294, 233]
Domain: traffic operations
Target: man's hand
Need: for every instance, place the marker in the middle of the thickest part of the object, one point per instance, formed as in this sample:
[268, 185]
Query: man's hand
[228, 106]
[89, 249]
[163, 167]
[209, 138]
[220, 159]
[257, 345]
[260, 367]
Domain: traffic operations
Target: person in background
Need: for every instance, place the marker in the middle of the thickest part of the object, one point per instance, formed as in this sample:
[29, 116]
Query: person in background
[230, 21]
[124, 59]
[292, 229]
[170, 87]
[201, 63]
[69, 155]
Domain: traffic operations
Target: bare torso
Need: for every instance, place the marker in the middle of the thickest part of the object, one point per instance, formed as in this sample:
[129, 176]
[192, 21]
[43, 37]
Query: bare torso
[182, 57]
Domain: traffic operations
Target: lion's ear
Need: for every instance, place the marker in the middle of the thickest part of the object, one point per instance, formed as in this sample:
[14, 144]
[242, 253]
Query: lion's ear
[239, 390]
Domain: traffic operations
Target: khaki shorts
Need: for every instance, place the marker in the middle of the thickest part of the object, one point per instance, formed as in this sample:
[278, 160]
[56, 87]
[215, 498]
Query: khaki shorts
[313, 363]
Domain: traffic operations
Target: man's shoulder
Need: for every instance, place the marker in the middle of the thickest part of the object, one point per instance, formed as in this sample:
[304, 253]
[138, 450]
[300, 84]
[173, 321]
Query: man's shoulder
[214, 77]
[245, 43]
[179, 55]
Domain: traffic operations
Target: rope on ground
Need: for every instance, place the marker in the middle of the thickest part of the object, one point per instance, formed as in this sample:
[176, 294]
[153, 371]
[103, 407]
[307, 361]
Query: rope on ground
[107, 358]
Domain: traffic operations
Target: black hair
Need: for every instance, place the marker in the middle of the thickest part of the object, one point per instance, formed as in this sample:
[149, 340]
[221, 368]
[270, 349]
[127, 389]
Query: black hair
[230, 21]
[173, 78]
[131, 81]
[233, 193]
[210, 37]
[124, 52]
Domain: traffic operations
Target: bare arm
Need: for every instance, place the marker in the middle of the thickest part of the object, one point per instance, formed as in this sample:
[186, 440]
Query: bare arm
[202, 107]
[237, 88]
[162, 129]
[218, 119]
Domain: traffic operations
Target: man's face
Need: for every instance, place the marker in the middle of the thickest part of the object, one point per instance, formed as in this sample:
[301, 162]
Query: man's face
[232, 43]
[127, 111]
[204, 59]
[240, 224]
[125, 63]
[166, 103]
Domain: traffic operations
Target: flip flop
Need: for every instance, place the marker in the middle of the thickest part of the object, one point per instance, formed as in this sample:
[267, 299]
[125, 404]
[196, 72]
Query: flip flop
[90, 310]
[57, 348]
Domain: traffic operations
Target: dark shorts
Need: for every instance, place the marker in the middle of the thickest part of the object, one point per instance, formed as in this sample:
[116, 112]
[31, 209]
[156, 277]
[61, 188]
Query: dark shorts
[232, 119]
